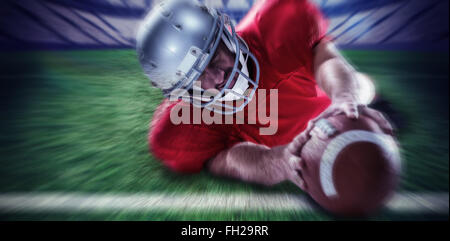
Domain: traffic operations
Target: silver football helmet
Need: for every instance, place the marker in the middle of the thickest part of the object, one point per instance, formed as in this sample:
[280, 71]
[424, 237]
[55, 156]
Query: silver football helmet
[176, 42]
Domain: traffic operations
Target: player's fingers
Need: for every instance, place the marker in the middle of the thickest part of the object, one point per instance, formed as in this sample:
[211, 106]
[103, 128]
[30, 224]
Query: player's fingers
[351, 110]
[295, 162]
[298, 180]
[324, 115]
[380, 119]
[309, 128]
[327, 113]
[297, 143]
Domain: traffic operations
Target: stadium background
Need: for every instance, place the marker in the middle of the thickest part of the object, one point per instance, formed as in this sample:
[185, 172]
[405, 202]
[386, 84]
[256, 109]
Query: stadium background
[76, 107]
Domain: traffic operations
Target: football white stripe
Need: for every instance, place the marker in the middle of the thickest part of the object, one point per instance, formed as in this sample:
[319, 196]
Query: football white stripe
[410, 203]
[335, 147]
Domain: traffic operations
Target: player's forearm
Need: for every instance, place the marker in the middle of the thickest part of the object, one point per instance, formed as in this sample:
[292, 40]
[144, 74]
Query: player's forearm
[249, 162]
[338, 79]
[334, 74]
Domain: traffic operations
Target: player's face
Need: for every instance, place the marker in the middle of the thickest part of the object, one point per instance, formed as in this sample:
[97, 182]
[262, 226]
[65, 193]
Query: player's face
[219, 69]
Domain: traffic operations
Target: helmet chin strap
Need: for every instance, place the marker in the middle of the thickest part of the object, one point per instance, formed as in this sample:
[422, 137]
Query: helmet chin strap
[241, 84]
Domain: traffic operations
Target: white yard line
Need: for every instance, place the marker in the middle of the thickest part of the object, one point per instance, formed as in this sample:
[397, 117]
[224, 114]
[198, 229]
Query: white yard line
[418, 203]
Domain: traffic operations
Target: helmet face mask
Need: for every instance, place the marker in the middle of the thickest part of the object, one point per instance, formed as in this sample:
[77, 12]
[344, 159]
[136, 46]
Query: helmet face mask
[189, 49]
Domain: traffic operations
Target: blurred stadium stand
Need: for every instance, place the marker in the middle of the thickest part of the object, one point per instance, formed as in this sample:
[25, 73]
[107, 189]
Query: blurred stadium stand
[69, 24]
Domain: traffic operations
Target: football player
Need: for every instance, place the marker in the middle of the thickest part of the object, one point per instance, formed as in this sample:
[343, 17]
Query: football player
[280, 44]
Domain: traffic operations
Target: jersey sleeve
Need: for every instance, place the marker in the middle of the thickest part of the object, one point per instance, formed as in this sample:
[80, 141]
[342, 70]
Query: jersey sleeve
[183, 148]
[289, 30]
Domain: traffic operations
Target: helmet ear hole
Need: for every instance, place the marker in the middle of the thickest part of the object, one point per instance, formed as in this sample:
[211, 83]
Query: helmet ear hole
[178, 27]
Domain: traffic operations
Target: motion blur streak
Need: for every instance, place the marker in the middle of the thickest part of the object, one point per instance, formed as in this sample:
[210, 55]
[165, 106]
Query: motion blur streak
[390, 24]
[75, 113]
[75, 202]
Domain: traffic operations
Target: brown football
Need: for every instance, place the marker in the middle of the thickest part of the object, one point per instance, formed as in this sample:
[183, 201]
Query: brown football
[351, 166]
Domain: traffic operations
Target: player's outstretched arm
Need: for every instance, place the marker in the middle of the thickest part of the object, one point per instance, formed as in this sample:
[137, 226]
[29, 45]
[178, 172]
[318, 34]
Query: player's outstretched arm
[336, 76]
[260, 164]
[344, 85]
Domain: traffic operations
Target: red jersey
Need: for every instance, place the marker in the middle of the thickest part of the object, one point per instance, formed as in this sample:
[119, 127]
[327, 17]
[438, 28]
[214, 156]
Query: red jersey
[282, 35]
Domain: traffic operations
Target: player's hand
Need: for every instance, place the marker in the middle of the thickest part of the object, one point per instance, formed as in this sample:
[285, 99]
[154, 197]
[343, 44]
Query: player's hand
[352, 109]
[293, 163]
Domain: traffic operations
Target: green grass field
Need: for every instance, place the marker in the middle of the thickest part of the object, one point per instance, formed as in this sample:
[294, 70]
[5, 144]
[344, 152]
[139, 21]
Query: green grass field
[77, 121]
